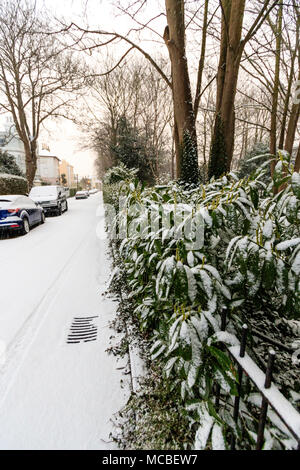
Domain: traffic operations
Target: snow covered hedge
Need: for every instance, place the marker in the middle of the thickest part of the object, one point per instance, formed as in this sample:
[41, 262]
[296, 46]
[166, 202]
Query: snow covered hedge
[12, 184]
[113, 181]
[250, 259]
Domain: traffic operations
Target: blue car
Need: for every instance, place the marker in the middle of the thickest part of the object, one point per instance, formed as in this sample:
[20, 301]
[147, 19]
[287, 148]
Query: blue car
[19, 213]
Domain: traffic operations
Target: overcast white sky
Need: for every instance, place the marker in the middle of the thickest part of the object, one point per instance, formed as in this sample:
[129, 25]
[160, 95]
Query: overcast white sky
[64, 138]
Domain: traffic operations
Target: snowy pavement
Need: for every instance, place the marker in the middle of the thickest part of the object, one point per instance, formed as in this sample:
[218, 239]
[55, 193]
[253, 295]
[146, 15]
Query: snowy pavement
[55, 394]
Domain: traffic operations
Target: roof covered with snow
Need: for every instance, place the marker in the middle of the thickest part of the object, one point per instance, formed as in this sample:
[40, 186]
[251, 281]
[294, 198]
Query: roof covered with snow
[46, 153]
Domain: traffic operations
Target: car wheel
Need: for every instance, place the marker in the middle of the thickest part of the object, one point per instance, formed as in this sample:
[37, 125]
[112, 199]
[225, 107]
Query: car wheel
[43, 218]
[26, 227]
[59, 210]
[66, 208]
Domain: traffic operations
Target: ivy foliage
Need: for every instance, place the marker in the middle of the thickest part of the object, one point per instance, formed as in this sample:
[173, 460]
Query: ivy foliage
[131, 149]
[218, 155]
[189, 167]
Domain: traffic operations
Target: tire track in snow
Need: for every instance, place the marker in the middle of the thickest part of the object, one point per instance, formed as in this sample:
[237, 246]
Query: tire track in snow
[17, 349]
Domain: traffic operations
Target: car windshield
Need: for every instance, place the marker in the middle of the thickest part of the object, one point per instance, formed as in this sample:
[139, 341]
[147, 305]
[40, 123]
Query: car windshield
[44, 191]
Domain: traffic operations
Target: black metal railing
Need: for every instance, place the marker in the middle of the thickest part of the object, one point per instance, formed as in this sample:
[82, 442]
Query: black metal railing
[271, 396]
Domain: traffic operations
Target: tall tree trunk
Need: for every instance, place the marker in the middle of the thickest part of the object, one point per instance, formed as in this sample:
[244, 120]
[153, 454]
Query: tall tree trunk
[233, 58]
[31, 161]
[227, 108]
[113, 140]
[294, 55]
[226, 9]
[172, 159]
[204, 138]
[292, 126]
[231, 50]
[201, 61]
[286, 102]
[297, 162]
[273, 132]
[174, 37]
[230, 56]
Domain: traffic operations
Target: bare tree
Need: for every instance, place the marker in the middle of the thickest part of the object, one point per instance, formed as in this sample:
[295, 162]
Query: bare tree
[184, 117]
[140, 95]
[38, 77]
[201, 60]
[293, 50]
[179, 82]
[231, 50]
[275, 93]
[272, 66]
[234, 29]
[292, 126]
[295, 109]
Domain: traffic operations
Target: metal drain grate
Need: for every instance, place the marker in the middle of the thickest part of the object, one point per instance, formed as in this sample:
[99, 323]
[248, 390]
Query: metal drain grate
[82, 330]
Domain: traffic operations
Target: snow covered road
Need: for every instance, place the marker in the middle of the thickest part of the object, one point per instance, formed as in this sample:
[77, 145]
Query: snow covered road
[53, 394]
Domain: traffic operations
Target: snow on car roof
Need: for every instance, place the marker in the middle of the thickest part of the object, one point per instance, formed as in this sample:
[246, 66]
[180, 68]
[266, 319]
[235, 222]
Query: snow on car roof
[10, 197]
[46, 186]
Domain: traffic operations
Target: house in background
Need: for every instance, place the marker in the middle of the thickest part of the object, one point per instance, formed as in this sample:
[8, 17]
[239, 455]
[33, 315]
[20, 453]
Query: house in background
[48, 166]
[68, 171]
[11, 143]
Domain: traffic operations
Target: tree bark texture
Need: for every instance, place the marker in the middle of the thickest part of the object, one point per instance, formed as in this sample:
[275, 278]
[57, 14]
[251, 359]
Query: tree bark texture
[174, 37]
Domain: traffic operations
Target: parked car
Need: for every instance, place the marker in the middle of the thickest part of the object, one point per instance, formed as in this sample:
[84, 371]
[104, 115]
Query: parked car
[81, 195]
[19, 213]
[53, 199]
